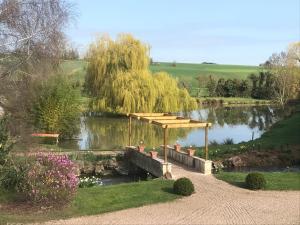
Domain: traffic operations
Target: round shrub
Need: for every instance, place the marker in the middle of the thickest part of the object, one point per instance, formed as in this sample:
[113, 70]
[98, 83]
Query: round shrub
[255, 181]
[50, 179]
[183, 186]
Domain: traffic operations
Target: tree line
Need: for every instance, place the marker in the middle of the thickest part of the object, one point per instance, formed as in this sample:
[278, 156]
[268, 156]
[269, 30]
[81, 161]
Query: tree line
[278, 80]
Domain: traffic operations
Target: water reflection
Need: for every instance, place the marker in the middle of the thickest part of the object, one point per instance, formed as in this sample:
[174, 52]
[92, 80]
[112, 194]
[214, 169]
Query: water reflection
[237, 123]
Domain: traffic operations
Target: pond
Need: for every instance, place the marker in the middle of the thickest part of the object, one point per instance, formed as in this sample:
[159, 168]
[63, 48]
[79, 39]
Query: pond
[239, 123]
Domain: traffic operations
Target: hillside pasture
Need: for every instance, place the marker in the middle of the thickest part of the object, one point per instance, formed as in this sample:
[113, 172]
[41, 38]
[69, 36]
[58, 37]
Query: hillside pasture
[188, 72]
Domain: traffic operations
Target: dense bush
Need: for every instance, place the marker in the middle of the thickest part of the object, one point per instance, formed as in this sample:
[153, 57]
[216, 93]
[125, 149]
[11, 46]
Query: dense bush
[13, 173]
[255, 181]
[211, 86]
[232, 88]
[56, 107]
[50, 178]
[5, 141]
[263, 85]
[183, 186]
[213, 143]
[228, 141]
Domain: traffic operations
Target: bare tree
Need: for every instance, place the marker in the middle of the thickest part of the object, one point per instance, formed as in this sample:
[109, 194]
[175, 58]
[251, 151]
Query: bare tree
[31, 33]
[293, 53]
[31, 44]
[286, 77]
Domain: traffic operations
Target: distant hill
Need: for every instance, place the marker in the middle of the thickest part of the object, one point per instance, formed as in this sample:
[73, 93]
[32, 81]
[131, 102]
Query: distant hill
[208, 63]
[188, 71]
[183, 71]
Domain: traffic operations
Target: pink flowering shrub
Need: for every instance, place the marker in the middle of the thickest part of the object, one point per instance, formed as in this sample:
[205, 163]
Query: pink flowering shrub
[51, 178]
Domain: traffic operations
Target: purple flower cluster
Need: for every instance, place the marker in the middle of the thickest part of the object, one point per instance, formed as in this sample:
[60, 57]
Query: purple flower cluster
[51, 178]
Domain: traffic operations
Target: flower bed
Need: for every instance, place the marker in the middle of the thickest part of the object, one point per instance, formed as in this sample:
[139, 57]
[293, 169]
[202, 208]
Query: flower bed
[89, 181]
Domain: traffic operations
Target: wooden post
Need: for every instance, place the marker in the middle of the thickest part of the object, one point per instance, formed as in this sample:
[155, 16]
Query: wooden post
[165, 145]
[129, 131]
[206, 142]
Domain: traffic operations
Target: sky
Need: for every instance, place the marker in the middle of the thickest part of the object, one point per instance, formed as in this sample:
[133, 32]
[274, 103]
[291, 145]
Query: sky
[243, 32]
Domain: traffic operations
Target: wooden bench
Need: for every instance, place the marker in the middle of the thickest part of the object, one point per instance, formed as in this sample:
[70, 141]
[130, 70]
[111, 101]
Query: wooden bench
[46, 135]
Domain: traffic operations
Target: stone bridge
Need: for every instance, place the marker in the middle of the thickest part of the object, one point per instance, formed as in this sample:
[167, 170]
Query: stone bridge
[158, 167]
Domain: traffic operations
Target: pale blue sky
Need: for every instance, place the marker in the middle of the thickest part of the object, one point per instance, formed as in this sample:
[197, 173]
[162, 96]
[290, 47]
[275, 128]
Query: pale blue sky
[222, 31]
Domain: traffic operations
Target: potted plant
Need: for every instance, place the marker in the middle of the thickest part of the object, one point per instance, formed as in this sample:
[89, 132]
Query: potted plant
[177, 147]
[190, 151]
[141, 147]
[153, 153]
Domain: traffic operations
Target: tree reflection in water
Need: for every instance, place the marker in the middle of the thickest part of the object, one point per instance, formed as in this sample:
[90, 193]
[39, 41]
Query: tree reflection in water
[228, 122]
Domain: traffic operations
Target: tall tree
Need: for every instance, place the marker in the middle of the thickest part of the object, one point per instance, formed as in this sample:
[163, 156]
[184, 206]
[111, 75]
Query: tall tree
[293, 54]
[211, 86]
[286, 77]
[31, 34]
[119, 80]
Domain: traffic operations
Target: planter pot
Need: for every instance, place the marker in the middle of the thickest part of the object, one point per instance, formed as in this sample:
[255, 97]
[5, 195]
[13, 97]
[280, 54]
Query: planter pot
[191, 152]
[153, 154]
[177, 147]
[141, 148]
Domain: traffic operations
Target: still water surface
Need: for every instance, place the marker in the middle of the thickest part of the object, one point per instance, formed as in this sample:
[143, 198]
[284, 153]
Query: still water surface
[238, 123]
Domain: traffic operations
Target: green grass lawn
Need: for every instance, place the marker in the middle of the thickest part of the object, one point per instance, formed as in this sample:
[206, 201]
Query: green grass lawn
[96, 200]
[275, 180]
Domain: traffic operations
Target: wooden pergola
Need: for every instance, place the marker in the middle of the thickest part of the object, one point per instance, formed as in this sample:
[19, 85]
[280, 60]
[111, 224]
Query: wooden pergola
[168, 121]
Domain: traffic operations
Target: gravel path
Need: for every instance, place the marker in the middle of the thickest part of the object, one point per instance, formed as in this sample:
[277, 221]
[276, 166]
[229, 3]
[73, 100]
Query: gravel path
[215, 202]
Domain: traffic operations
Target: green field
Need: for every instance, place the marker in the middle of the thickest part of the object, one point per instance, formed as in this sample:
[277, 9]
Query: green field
[76, 69]
[189, 72]
[183, 71]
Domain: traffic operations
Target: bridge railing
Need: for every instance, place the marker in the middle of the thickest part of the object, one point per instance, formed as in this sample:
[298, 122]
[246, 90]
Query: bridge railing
[155, 166]
[197, 163]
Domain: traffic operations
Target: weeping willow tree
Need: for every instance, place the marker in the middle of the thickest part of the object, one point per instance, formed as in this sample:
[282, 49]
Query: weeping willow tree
[119, 80]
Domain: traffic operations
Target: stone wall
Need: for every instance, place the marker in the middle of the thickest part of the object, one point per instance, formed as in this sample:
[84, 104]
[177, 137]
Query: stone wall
[199, 164]
[155, 166]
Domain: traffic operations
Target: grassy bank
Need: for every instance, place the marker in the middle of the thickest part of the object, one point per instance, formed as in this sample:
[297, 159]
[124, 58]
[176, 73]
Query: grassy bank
[281, 136]
[232, 101]
[95, 200]
[275, 180]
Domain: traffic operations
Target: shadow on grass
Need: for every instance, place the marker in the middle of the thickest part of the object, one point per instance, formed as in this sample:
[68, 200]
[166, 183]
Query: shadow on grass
[239, 184]
[168, 190]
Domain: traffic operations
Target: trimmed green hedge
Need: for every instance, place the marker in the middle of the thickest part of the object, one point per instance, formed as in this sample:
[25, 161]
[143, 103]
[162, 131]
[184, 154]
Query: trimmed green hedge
[255, 181]
[183, 186]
